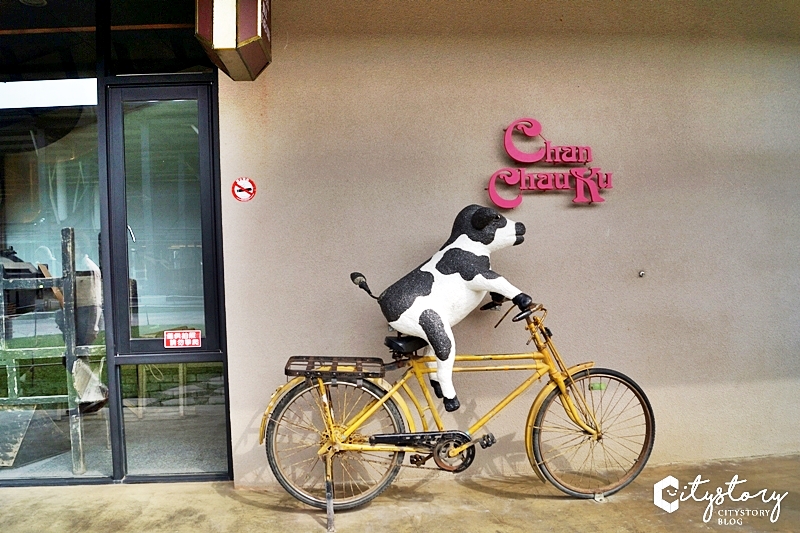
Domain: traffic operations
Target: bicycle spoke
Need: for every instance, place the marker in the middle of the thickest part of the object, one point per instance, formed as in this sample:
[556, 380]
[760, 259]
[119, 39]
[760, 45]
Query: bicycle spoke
[346, 477]
[634, 438]
[296, 428]
[564, 452]
[302, 415]
[312, 460]
[311, 469]
[633, 451]
[622, 411]
[611, 455]
[562, 429]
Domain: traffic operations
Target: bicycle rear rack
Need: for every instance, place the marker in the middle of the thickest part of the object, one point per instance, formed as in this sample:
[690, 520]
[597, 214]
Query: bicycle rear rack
[326, 367]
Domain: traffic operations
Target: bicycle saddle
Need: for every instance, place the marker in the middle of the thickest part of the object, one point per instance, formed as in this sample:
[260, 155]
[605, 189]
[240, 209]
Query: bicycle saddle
[405, 345]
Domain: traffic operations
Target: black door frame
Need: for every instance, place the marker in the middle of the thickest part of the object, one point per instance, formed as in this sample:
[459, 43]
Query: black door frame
[105, 82]
[113, 267]
[114, 242]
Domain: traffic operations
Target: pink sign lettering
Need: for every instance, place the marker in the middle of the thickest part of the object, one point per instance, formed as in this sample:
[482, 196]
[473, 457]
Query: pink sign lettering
[586, 182]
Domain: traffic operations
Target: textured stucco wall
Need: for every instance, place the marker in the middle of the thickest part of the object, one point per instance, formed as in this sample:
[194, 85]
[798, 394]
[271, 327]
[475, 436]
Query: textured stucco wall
[364, 148]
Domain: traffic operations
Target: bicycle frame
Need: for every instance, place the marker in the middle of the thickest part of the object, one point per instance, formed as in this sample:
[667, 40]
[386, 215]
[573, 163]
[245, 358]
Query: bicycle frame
[545, 360]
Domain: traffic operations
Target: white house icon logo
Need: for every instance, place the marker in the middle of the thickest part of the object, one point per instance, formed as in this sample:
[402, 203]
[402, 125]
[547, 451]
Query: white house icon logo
[658, 494]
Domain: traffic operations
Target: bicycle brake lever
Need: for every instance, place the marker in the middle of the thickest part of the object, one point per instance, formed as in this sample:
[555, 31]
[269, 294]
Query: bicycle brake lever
[504, 316]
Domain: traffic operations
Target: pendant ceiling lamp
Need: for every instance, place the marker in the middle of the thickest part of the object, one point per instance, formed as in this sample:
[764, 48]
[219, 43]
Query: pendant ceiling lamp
[235, 35]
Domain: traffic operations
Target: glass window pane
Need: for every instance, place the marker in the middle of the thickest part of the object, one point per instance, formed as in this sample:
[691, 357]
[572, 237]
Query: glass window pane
[49, 181]
[162, 185]
[174, 416]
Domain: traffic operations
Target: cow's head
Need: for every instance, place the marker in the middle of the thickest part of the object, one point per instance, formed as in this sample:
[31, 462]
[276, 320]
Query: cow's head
[487, 226]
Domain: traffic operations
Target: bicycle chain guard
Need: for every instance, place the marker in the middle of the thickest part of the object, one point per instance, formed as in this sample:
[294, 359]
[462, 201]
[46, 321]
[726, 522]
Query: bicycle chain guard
[424, 439]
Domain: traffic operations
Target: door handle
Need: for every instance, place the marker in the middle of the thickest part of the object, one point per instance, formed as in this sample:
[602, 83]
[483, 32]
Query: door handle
[130, 230]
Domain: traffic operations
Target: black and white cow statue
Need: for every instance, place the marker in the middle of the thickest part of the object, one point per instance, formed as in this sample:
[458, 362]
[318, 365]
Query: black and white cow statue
[431, 299]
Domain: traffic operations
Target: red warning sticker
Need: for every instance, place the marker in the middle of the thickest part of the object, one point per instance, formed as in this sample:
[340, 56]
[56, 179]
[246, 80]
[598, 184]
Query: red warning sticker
[184, 338]
[244, 189]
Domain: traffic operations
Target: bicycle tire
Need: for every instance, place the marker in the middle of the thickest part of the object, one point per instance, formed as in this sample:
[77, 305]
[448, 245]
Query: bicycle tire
[296, 431]
[568, 456]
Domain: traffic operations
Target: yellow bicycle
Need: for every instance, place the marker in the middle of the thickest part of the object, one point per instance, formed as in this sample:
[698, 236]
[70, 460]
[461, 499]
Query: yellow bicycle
[337, 432]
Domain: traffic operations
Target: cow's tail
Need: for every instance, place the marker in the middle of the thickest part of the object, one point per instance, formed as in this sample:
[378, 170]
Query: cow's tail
[358, 279]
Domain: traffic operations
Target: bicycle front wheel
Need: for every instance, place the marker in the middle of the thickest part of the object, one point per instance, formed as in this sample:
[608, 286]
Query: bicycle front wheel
[296, 430]
[578, 463]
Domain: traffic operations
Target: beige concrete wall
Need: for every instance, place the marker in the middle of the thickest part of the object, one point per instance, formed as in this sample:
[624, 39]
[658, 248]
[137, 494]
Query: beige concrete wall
[364, 148]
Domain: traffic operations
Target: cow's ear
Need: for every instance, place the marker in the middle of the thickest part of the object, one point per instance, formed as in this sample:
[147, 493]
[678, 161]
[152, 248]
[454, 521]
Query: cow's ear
[483, 217]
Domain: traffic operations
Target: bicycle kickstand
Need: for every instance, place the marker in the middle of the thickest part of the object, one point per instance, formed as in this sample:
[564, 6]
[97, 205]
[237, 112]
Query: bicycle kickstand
[329, 492]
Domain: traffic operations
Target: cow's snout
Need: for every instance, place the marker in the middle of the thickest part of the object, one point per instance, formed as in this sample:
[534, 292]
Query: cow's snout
[520, 229]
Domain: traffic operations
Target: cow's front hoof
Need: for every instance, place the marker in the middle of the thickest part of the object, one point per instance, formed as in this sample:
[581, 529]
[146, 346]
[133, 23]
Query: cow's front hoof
[451, 405]
[437, 389]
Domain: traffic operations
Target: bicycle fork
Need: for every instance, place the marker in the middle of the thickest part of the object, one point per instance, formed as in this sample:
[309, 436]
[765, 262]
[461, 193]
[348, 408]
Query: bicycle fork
[542, 340]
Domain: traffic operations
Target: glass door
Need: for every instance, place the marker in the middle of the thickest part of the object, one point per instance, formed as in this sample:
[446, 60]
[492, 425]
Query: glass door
[53, 361]
[169, 359]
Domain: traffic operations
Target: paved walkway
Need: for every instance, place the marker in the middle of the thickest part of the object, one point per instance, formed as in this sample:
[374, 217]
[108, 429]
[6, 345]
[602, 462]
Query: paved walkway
[441, 504]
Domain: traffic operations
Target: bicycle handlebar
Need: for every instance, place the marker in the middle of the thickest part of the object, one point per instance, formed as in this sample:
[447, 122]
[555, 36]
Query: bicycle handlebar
[532, 308]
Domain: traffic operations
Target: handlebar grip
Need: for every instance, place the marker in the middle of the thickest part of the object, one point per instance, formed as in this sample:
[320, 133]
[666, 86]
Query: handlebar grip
[522, 315]
[527, 312]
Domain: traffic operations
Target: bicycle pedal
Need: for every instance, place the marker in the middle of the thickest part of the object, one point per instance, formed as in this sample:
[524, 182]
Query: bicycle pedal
[487, 441]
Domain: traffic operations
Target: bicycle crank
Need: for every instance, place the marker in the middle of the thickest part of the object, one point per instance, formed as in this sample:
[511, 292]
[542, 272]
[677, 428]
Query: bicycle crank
[460, 461]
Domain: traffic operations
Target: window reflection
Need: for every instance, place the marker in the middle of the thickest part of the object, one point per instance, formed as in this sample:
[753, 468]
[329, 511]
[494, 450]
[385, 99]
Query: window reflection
[162, 184]
[53, 419]
[175, 418]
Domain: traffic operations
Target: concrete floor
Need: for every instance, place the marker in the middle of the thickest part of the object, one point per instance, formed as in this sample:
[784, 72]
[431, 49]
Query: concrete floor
[440, 503]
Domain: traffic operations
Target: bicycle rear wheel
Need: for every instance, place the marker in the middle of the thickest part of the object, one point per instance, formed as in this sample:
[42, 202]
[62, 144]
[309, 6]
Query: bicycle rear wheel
[296, 431]
[575, 462]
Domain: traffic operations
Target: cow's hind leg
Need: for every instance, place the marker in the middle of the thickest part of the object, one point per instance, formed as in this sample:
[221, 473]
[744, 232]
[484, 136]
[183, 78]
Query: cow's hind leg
[440, 337]
[432, 377]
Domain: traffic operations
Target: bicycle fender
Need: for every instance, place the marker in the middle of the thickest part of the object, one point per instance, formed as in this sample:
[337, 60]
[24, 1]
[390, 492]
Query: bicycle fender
[277, 395]
[537, 404]
[401, 403]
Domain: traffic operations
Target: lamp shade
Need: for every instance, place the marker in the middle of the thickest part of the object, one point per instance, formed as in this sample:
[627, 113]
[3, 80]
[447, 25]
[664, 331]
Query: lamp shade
[236, 35]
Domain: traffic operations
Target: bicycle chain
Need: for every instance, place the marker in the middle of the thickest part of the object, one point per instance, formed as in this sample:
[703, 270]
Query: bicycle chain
[406, 465]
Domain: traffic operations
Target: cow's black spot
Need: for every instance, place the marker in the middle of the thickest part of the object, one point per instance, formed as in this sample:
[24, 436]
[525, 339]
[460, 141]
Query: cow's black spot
[483, 217]
[466, 264]
[432, 325]
[470, 216]
[399, 296]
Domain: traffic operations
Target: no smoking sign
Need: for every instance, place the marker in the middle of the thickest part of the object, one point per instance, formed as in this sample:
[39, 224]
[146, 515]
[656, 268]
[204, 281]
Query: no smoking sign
[244, 189]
